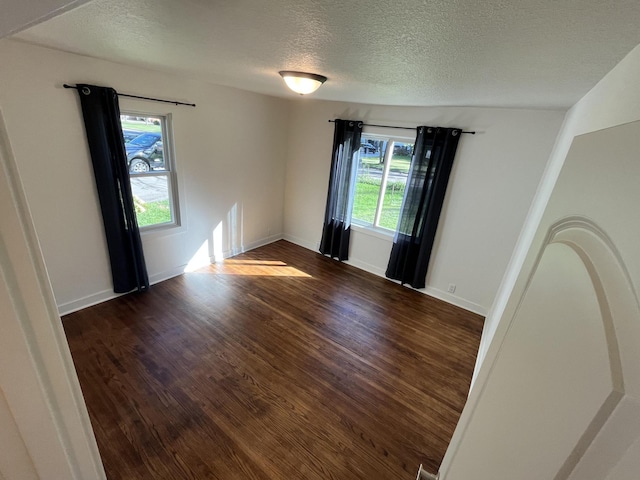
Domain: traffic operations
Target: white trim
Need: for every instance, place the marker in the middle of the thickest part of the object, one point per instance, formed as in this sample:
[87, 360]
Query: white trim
[105, 295]
[302, 242]
[372, 231]
[573, 231]
[166, 136]
[388, 154]
[367, 267]
[250, 246]
[166, 275]
[455, 300]
[37, 375]
[87, 301]
[385, 133]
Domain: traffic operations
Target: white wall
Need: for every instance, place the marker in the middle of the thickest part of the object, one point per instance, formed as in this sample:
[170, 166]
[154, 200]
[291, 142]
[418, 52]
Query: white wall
[230, 156]
[229, 176]
[603, 188]
[615, 100]
[492, 184]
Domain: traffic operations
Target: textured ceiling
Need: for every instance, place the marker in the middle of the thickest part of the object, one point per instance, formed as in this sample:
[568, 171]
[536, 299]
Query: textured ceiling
[536, 53]
[17, 15]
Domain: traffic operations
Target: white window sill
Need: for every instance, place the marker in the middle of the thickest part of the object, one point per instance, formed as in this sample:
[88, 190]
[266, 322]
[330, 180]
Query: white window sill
[376, 232]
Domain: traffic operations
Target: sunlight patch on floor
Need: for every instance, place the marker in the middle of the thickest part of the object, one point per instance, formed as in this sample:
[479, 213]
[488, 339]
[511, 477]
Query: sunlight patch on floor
[261, 268]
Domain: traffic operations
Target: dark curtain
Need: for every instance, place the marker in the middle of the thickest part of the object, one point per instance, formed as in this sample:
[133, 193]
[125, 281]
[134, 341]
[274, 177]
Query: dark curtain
[101, 114]
[344, 165]
[431, 165]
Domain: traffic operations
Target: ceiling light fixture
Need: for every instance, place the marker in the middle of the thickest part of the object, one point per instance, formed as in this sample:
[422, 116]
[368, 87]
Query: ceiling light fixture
[301, 82]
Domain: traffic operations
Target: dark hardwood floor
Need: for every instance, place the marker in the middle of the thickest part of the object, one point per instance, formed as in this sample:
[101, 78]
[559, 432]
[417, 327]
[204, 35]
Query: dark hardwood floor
[278, 364]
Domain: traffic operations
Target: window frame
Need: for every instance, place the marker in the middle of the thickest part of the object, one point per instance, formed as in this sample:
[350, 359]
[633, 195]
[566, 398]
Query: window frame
[375, 228]
[166, 130]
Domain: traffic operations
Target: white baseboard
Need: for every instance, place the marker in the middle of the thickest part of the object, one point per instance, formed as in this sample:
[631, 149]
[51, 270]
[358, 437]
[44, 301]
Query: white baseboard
[302, 242]
[367, 267]
[166, 275]
[250, 246]
[104, 295]
[88, 301]
[455, 300]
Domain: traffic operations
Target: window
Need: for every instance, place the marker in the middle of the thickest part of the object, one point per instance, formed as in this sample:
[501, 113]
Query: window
[383, 167]
[147, 143]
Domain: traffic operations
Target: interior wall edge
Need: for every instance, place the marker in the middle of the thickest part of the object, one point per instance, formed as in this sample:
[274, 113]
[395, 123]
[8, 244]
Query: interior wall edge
[41, 386]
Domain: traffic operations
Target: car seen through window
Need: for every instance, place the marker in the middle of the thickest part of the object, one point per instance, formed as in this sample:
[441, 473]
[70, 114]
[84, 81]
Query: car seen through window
[151, 170]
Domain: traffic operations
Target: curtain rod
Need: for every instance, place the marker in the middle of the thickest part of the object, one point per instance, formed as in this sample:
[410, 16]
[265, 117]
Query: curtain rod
[141, 98]
[391, 126]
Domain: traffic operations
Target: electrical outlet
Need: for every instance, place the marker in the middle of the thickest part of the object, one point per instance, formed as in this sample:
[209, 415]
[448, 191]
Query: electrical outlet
[452, 288]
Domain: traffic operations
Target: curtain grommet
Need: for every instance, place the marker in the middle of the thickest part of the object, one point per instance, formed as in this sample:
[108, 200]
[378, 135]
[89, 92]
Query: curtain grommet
[455, 133]
[86, 91]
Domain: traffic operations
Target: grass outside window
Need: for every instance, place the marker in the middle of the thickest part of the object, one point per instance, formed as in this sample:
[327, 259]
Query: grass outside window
[152, 213]
[366, 202]
[381, 182]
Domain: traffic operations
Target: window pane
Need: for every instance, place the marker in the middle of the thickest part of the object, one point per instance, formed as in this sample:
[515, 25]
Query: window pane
[369, 179]
[396, 183]
[145, 137]
[143, 143]
[151, 199]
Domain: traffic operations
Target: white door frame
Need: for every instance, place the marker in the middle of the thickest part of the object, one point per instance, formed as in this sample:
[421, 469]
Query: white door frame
[37, 378]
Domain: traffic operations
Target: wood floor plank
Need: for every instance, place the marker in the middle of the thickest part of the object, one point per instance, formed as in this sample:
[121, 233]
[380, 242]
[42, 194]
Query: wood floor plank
[278, 363]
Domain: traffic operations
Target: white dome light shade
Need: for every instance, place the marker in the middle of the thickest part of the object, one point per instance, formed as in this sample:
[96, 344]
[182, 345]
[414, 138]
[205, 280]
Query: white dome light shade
[301, 82]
